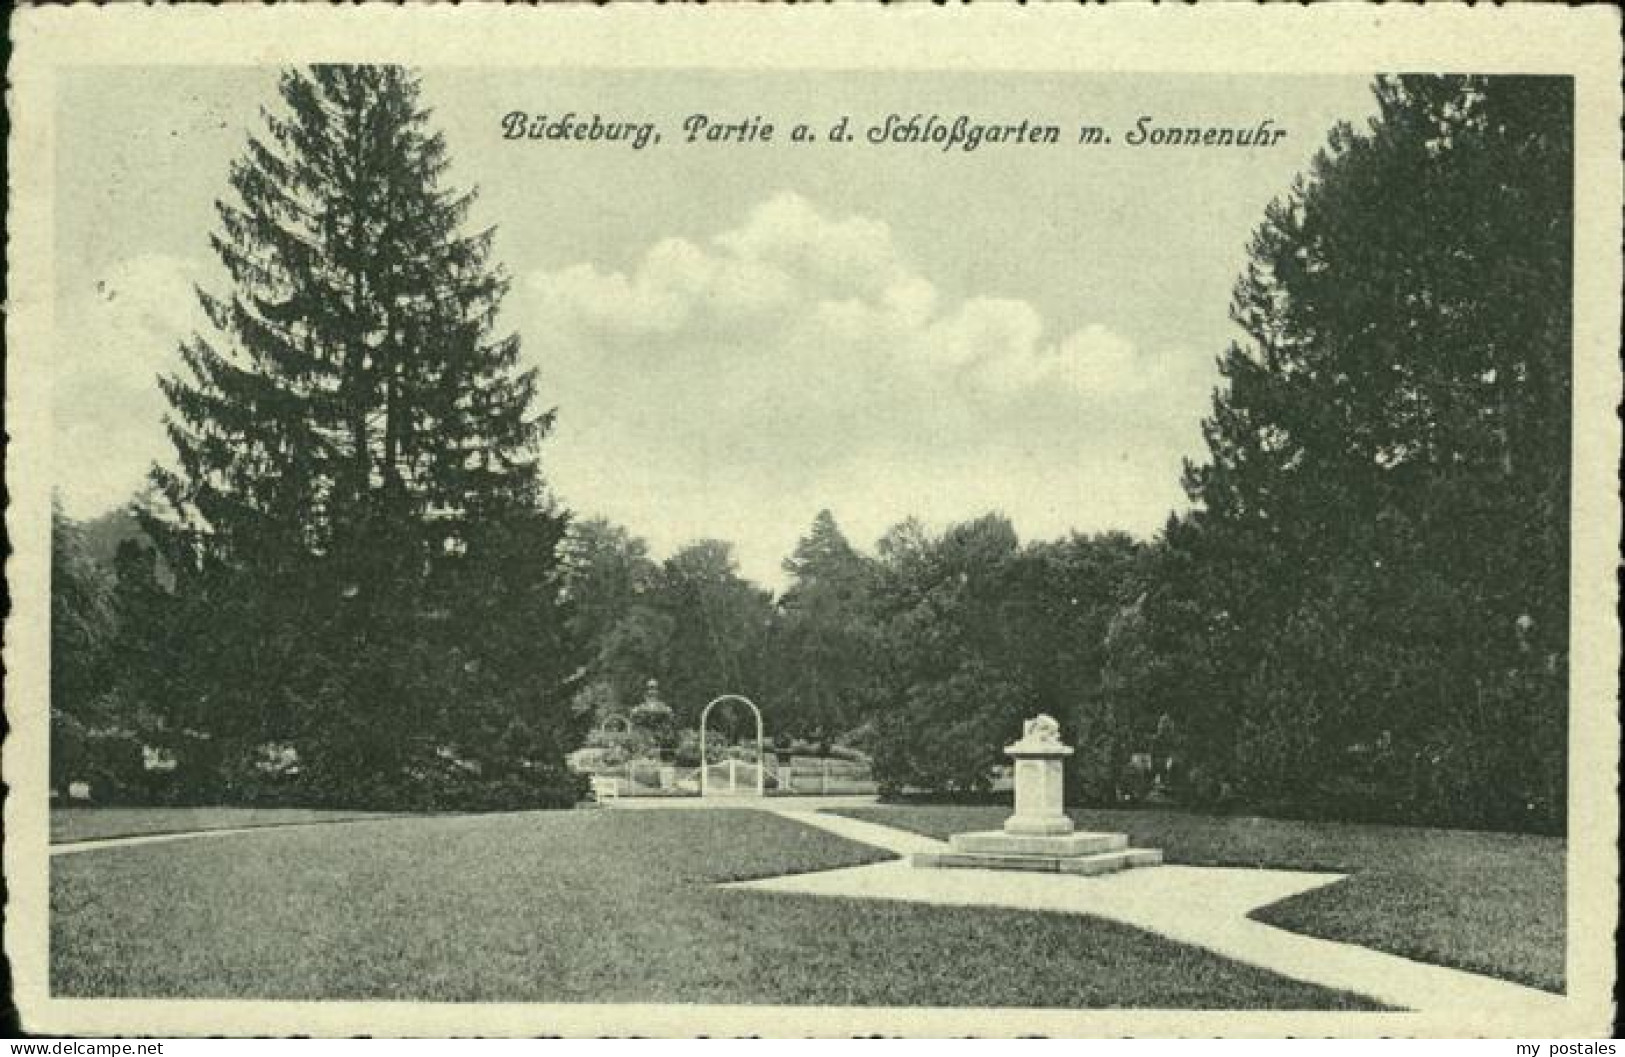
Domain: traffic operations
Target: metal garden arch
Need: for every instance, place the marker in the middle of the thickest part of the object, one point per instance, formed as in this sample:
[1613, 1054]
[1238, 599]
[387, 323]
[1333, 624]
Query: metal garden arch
[761, 771]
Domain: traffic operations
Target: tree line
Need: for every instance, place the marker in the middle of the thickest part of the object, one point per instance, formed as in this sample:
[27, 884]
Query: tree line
[1362, 614]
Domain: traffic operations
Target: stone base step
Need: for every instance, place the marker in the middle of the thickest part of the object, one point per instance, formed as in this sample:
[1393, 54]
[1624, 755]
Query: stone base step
[1080, 865]
[998, 842]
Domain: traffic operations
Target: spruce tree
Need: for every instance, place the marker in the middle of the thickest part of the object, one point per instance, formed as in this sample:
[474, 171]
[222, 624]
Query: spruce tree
[355, 382]
[355, 445]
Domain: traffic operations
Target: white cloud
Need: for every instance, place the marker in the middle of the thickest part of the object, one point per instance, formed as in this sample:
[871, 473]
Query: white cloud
[731, 388]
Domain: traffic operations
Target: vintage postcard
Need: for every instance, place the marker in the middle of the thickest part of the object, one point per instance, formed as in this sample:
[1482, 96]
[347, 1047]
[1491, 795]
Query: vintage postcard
[813, 521]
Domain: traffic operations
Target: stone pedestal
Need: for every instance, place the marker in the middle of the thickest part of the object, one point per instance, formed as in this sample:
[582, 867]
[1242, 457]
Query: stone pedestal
[1039, 835]
[1040, 809]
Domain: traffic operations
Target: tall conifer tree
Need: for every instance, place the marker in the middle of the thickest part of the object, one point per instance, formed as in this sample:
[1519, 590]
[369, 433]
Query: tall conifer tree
[356, 450]
[355, 382]
[1381, 545]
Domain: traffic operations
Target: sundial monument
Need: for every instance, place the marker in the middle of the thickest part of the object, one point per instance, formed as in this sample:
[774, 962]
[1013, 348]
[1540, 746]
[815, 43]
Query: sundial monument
[1039, 835]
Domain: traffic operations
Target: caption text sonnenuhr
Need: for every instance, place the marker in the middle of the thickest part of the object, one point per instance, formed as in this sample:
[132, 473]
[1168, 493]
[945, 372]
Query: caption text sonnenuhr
[960, 132]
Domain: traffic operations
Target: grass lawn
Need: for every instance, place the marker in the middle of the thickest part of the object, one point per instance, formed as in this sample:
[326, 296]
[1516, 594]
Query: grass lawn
[1491, 903]
[99, 823]
[601, 906]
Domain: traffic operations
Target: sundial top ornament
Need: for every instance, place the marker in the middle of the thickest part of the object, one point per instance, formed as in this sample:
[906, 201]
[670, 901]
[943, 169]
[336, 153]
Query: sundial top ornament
[1040, 736]
[1041, 728]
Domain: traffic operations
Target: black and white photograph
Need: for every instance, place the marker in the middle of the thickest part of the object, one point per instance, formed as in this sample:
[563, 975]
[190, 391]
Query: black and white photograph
[699, 543]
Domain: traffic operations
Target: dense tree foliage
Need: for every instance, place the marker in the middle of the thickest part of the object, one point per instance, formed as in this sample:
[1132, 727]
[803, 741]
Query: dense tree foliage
[363, 593]
[720, 624]
[950, 692]
[690, 622]
[927, 653]
[86, 744]
[611, 581]
[1372, 592]
[978, 633]
[826, 636]
[363, 553]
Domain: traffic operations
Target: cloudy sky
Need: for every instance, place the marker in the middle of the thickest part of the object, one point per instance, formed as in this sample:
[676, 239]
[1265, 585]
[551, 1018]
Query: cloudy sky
[738, 336]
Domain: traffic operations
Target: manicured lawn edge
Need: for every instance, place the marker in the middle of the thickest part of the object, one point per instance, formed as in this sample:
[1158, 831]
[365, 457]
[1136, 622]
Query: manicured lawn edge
[99, 824]
[598, 907]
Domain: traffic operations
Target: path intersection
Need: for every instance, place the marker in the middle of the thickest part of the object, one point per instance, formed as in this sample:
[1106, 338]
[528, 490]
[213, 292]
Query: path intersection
[1202, 906]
